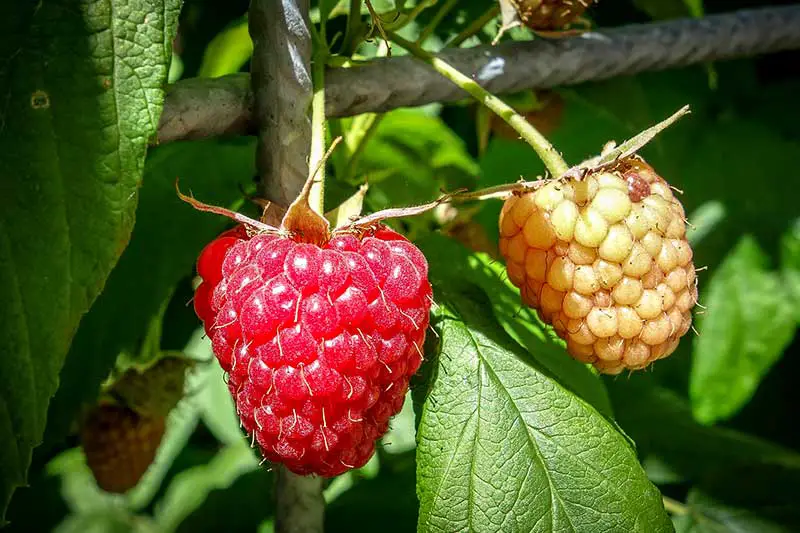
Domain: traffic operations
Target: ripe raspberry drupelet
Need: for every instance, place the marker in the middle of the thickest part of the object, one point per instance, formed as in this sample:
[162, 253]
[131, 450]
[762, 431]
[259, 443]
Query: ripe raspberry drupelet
[319, 341]
[605, 261]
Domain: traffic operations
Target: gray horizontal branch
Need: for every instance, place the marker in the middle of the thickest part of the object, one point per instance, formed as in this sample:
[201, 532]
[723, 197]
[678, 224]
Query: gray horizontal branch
[210, 107]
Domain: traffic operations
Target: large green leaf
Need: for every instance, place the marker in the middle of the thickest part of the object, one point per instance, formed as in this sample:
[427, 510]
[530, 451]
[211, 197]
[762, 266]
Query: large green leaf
[168, 237]
[749, 322]
[228, 51]
[81, 85]
[790, 265]
[190, 489]
[766, 503]
[449, 260]
[663, 427]
[502, 446]
[385, 503]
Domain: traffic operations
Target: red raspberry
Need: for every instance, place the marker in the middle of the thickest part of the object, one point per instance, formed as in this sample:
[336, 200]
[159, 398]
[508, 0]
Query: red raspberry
[319, 341]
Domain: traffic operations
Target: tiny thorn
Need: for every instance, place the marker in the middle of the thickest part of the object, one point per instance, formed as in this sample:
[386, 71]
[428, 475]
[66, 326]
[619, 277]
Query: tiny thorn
[303, 377]
[350, 394]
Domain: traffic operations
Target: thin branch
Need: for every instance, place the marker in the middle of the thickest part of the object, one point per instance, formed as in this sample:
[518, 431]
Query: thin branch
[547, 153]
[394, 82]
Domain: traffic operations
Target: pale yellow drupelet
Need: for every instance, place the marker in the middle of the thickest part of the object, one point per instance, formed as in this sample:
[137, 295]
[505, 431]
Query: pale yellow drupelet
[605, 261]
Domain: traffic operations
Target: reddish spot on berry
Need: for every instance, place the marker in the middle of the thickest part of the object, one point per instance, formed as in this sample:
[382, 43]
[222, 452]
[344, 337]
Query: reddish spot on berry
[319, 341]
[638, 188]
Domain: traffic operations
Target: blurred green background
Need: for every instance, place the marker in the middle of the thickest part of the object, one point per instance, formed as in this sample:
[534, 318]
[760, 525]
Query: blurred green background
[714, 424]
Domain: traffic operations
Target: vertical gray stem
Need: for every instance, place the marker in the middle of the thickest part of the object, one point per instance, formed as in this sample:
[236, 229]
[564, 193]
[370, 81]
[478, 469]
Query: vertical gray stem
[282, 90]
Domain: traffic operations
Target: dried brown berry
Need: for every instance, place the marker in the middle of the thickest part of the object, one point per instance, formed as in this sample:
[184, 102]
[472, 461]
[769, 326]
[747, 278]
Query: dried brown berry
[120, 444]
[547, 15]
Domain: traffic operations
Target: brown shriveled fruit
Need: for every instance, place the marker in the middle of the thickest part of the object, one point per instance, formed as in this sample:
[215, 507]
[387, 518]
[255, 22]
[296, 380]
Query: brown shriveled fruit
[120, 444]
[548, 15]
[605, 261]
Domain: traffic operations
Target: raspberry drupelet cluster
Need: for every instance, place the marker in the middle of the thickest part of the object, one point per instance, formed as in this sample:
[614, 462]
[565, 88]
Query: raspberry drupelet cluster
[319, 341]
[604, 259]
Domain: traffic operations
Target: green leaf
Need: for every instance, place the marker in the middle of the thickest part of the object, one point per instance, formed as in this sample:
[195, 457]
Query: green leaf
[227, 52]
[502, 446]
[664, 9]
[790, 265]
[165, 244]
[766, 503]
[403, 169]
[82, 89]
[663, 427]
[190, 489]
[449, 260]
[749, 322]
[251, 497]
[106, 520]
[385, 503]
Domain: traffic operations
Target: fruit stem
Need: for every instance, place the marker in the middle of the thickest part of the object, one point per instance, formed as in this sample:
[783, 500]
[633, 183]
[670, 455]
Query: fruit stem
[364, 127]
[476, 26]
[675, 507]
[299, 502]
[547, 153]
[437, 18]
[316, 198]
[354, 23]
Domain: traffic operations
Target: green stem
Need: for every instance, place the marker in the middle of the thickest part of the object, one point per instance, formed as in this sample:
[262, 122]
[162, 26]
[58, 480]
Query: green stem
[316, 197]
[476, 26]
[408, 17]
[547, 153]
[359, 139]
[353, 27]
[675, 507]
[437, 18]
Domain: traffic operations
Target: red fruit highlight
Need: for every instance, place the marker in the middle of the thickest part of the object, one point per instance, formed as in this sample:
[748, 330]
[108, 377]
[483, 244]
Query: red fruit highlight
[319, 342]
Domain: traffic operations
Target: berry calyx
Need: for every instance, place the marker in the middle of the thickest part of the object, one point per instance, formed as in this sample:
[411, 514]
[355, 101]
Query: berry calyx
[319, 339]
[605, 261]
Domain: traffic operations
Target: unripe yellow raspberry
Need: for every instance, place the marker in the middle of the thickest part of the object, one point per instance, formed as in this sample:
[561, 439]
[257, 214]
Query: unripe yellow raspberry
[605, 261]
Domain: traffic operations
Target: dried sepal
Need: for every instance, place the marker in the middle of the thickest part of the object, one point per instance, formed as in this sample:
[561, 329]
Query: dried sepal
[395, 212]
[254, 225]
